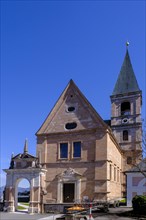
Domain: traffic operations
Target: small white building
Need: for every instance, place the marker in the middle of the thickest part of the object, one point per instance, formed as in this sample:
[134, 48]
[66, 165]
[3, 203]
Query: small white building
[136, 181]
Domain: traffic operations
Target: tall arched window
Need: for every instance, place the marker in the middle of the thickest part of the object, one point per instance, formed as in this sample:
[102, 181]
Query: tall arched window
[125, 108]
[125, 135]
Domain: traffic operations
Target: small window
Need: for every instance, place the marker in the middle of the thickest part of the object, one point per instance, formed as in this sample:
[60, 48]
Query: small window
[129, 160]
[125, 135]
[71, 109]
[110, 172]
[118, 175]
[77, 149]
[114, 173]
[64, 150]
[125, 108]
[71, 125]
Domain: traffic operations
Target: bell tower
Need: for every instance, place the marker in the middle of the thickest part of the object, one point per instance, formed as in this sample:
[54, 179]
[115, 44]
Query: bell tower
[126, 124]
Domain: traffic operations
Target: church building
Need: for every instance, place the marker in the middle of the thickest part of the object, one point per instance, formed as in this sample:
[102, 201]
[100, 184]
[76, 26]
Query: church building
[80, 156]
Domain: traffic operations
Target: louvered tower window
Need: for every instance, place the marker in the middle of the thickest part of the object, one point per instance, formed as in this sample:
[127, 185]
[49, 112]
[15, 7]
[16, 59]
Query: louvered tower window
[125, 108]
[125, 135]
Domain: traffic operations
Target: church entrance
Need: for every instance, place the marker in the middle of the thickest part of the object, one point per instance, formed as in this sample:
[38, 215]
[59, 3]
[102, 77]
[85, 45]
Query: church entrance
[69, 186]
[68, 192]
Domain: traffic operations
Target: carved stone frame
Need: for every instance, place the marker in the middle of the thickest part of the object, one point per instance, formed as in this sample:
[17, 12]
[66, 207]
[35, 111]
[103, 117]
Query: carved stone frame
[69, 176]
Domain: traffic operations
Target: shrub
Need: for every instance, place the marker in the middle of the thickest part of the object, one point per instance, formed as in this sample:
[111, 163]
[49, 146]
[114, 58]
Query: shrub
[123, 202]
[139, 204]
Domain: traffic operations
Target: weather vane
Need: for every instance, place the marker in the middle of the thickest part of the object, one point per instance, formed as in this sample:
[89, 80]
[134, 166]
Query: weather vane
[127, 44]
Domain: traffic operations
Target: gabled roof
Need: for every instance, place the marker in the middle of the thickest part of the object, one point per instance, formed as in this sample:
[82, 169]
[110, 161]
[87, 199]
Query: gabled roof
[23, 156]
[85, 115]
[126, 81]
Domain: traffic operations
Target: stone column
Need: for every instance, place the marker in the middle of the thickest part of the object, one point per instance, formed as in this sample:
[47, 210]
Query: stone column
[78, 189]
[34, 206]
[59, 191]
[9, 202]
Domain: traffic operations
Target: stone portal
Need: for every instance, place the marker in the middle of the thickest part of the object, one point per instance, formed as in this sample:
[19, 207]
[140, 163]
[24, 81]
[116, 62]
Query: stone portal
[25, 166]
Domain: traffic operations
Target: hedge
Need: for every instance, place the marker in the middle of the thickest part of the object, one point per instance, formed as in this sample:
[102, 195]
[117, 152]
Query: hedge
[139, 204]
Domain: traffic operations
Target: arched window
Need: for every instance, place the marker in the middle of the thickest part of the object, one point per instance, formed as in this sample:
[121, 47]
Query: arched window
[125, 108]
[125, 135]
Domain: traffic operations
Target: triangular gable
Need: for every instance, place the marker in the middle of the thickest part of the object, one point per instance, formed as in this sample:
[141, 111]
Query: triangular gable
[71, 112]
[24, 155]
[69, 173]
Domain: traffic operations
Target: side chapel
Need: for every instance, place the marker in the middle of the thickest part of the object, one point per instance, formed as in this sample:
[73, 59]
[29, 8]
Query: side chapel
[80, 156]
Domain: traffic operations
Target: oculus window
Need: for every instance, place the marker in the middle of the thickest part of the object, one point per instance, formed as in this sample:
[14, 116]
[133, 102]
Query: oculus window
[63, 150]
[70, 126]
[77, 149]
[71, 109]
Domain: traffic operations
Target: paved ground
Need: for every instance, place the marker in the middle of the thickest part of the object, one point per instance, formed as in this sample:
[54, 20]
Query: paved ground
[24, 216]
[114, 214]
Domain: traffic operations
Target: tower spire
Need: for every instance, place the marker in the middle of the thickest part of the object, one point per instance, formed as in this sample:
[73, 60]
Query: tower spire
[26, 146]
[12, 155]
[126, 81]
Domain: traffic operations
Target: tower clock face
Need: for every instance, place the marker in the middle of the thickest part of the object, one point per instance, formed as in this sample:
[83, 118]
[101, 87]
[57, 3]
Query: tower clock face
[125, 120]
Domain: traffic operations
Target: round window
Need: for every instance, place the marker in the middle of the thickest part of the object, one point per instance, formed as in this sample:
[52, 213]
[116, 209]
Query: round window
[125, 120]
[71, 109]
[71, 125]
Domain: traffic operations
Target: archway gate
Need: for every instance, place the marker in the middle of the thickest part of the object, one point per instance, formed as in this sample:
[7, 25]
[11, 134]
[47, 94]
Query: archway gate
[25, 166]
[35, 176]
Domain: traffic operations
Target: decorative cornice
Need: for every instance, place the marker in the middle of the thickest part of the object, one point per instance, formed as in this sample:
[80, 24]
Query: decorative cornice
[26, 170]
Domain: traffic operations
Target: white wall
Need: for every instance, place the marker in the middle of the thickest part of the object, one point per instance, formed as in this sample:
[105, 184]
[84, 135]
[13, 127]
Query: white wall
[139, 188]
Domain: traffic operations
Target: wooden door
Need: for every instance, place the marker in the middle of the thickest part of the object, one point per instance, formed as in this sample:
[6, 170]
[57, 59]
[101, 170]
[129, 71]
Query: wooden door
[68, 192]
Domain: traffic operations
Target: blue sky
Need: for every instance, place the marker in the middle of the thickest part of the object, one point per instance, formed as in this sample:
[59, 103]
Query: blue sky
[44, 44]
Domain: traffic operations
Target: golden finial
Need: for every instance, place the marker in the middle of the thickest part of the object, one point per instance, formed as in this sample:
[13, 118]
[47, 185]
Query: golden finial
[127, 43]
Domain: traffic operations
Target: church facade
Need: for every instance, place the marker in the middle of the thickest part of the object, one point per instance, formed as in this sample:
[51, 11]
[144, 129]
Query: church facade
[79, 155]
[79, 151]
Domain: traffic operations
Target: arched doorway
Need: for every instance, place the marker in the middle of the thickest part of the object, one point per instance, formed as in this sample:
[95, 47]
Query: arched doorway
[22, 195]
